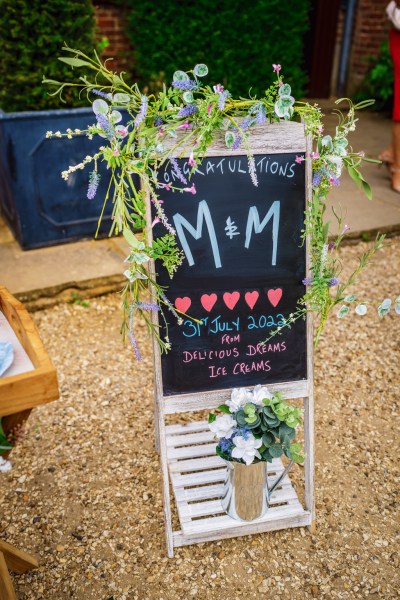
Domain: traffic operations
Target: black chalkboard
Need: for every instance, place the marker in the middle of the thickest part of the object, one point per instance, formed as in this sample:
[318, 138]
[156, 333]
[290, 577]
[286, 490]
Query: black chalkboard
[241, 275]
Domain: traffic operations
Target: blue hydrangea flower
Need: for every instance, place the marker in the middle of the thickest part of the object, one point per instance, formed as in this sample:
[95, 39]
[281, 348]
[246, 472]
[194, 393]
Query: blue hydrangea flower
[225, 445]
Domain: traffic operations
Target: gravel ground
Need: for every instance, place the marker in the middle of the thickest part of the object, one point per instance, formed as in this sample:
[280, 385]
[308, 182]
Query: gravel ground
[84, 494]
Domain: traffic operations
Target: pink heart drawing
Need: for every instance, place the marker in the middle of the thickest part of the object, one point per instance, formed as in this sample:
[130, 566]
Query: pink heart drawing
[183, 304]
[251, 298]
[231, 299]
[208, 301]
[274, 296]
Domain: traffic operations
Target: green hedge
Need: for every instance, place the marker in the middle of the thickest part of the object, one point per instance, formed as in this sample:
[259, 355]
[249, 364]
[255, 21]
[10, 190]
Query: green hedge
[32, 34]
[238, 40]
[378, 82]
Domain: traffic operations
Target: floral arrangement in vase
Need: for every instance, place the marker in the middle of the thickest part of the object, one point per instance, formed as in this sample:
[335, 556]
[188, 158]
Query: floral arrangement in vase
[186, 117]
[256, 426]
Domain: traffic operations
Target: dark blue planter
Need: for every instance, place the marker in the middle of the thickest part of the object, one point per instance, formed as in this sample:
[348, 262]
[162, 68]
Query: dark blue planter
[40, 207]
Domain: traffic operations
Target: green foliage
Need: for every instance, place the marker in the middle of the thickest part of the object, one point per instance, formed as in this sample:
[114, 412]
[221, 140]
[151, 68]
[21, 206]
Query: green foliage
[274, 422]
[238, 41]
[5, 444]
[32, 34]
[378, 82]
[78, 301]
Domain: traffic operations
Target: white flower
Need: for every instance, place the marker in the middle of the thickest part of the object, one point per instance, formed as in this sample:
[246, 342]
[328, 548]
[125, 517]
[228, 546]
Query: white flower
[5, 465]
[223, 426]
[239, 397]
[259, 393]
[246, 449]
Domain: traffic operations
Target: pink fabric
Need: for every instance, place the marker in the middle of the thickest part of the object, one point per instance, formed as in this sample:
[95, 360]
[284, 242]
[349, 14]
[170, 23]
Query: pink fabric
[395, 53]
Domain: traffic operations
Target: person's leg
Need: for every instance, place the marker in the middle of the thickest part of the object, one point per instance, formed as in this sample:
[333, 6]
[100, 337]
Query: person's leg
[395, 53]
[396, 155]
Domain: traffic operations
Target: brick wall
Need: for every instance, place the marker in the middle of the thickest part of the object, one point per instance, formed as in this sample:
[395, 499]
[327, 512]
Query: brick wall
[371, 28]
[110, 20]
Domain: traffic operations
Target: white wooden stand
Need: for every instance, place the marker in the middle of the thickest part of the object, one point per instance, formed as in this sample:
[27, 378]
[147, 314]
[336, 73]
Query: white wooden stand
[187, 452]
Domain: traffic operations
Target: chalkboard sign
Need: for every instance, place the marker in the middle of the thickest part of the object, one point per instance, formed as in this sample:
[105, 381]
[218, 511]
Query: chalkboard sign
[242, 274]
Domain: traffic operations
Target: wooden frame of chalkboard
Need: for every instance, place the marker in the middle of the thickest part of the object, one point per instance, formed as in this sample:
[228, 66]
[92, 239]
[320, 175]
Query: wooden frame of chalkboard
[187, 452]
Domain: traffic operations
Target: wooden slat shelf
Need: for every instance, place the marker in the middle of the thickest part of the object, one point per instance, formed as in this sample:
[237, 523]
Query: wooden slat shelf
[197, 477]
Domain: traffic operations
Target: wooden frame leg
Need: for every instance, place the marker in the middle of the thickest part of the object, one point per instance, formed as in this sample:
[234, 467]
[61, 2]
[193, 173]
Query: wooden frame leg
[17, 560]
[6, 587]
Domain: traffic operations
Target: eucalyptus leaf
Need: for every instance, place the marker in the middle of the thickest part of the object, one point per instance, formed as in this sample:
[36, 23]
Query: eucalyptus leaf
[229, 139]
[397, 305]
[100, 106]
[188, 97]
[180, 76]
[350, 298]
[285, 90]
[275, 450]
[200, 70]
[344, 310]
[121, 98]
[361, 310]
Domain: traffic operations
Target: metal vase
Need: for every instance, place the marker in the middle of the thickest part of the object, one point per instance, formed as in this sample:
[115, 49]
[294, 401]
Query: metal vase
[246, 493]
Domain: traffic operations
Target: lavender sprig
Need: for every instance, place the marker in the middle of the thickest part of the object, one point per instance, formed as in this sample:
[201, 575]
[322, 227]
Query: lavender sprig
[237, 142]
[133, 339]
[147, 306]
[100, 93]
[222, 99]
[188, 110]
[169, 305]
[177, 170]
[189, 85]
[94, 179]
[142, 110]
[158, 121]
[106, 126]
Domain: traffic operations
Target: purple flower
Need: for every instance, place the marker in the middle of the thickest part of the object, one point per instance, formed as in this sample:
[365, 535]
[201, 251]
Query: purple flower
[106, 126]
[147, 306]
[237, 142]
[185, 85]
[333, 180]
[317, 178]
[102, 94]
[188, 110]
[276, 68]
[158, 121]
[333, 281]
[176, 169]
[94, 179]
[142, 111]
[169, 305]
[260, 117]
[307, 281]
[133, 339]
[222, 99]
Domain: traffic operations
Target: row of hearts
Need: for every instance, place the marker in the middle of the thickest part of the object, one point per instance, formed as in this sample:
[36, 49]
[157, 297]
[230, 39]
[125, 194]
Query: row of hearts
[230, 299]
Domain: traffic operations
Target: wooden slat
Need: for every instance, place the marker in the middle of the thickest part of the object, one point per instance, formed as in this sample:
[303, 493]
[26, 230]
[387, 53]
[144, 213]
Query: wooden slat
[192, 451]
[200, 478]
[200, 437]
[276, 138]
[300, 519]
[206, 463]
[210, 400]
[187, 428]
[224, 521]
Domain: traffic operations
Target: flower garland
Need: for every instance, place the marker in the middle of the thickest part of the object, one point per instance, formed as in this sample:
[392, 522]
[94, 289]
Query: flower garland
[189, 113]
